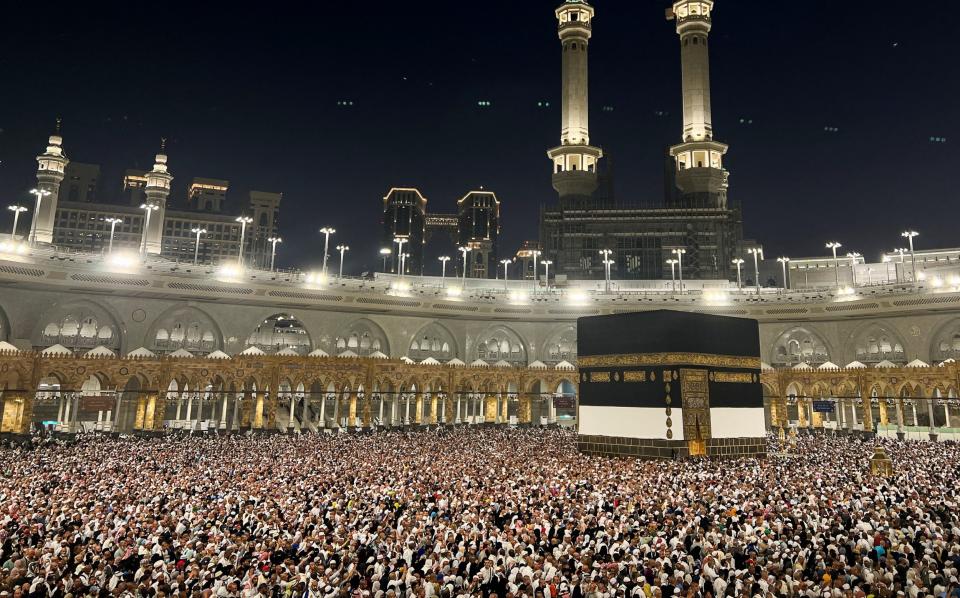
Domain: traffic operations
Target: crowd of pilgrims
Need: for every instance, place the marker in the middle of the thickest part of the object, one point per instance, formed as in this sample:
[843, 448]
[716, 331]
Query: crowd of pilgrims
[490, 512]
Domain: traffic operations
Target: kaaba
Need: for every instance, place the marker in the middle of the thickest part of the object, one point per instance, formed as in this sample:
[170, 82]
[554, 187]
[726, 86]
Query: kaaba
[670, 384]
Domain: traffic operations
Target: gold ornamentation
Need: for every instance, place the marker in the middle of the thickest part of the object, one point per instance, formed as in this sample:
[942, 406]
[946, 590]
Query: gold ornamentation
[669, 434]
[647, 359]
[669, 422]
[599, 377]
[733, 377]
[695, 391]
[634, 376]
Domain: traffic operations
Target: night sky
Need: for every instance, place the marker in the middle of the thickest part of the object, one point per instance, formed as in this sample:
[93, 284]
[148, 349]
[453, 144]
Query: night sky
[251, 95]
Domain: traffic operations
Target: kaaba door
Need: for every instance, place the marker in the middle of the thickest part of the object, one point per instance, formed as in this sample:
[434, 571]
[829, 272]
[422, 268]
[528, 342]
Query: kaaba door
[697, 448]
[695, 392]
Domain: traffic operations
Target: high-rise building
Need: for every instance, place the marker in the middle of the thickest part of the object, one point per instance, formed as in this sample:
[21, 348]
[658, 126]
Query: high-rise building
[134, 181]
[478, 229]
[265, 211]
[525, 267]
[81, 182]
[51, 166]
[404, 220]
[694, 216]
[207, 195]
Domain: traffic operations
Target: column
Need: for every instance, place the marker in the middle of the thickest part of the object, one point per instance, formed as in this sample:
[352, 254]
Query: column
[323, 412]
[884, 416]
[258, 420]
[223, 413]
[459, 396]
[433, 409]
[418, 413]
[406, 418]
[380, 417]
[933, 422]
[352, 410]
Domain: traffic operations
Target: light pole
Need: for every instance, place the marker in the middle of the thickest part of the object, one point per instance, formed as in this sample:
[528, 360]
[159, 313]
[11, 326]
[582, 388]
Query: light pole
[757, 254]
[149, 207]
[400, 241]
[679, 253]
[17, 210]
[869, 277]
[536, 253]
[901, 252]
[673, 274]
[113, 226]
[836, 265]
[327, 231]
[606, 270]
[342, 249]
[609, 264]
[887, 260]
[464, 250]
[909, 235]
[783, 264]
[404, 262]
[273, 250]
[443, 269]
[506, 273]
[385, 253]
[738, 262]
[244, 221]
[40, 194]
[196, 243]
[853, 266]
[546, 265]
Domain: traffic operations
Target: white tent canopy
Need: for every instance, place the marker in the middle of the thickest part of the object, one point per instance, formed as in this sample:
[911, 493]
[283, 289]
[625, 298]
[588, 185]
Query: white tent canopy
[407, 360]
[99, 351]
[348, 354]
[765, 367]
[141, 352]
[479, 363]
[565, 365]
[456, 363]
[502, 364]
[829, 365]
[378, 355]
[6, 347]
[885, 364]
[916, 363]
[429, 361]
[252, 351]
[181, 353]
[803, 366]
[288, 352]
[318, 353]
[56, 350]
[856, 365]
[537, 365]
[218, 354]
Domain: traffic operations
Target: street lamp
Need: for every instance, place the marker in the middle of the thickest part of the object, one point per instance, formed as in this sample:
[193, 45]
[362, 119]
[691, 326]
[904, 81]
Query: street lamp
[40, 194]
[113, 226]
[443, 269]
[680, 253]
[546, 265]
[327, 231]
[853, 266]
[869, 277]
[385, 253]
[400, 241]
[738, 262]
[888, 260]
[273, 249]
[506, 273]
[244, 221]
[535, 253]
[909, 235]
[783, 263]
[196, 243]
[673, 274]
[464, 250]
[609, 264]
[757, 254]
[342, 249]
[148, 207]
[403, 262]
[836, 265]
[606, 271]
[17, 210]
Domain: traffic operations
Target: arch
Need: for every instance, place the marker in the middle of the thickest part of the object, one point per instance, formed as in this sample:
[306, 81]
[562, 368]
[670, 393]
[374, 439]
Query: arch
[799, 345]
[362, 336]
[184, 327]
[433, 340]
[875, 342]
[946, 342]
[500, 343]
[78, 325]
[278, 332]
[560, 345]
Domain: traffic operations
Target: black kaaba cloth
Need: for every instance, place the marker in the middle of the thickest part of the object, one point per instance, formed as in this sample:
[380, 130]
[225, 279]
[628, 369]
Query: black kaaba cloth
[625, 360]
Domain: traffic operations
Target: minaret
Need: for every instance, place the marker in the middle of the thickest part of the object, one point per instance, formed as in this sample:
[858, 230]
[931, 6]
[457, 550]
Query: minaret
[156, 192]
[701, 178]
[575, 160]
[51, 166]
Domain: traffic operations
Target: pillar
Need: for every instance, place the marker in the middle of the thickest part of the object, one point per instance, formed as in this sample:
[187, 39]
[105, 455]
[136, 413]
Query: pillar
[418, 414]
[525, 411]
[933, 422]
[433, 408]
[323, 411]
[257, 421]
[365, 411]
[352, 410]
[884, 416]
[17, 412]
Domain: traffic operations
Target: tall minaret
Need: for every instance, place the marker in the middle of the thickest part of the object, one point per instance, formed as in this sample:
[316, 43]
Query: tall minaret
[575, 160]
[156, 191]
[700, 174]
[50, 172]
